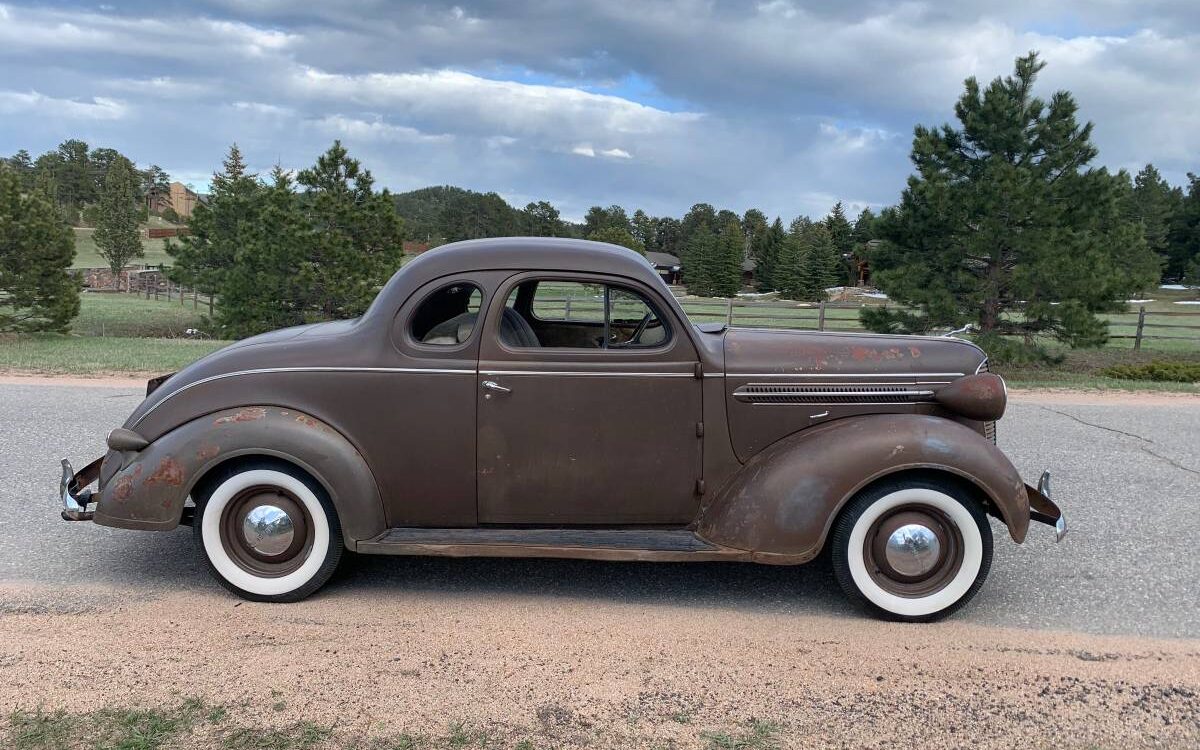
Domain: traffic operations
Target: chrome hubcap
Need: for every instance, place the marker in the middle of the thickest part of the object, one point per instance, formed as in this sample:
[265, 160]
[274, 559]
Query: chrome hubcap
[268, 530]
[912, 550]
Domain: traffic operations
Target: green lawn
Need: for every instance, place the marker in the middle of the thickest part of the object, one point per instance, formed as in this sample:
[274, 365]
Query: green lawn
[127, 315]
[60, 354]
[87, 256]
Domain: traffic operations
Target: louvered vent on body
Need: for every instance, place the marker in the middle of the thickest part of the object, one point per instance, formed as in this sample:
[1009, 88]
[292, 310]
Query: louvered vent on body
[771, 393]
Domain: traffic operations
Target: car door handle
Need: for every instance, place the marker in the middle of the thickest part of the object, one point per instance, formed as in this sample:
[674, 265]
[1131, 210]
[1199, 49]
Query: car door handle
[492, 385]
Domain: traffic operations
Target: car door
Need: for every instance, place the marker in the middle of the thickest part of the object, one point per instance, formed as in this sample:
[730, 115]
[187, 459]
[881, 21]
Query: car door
[588, 405]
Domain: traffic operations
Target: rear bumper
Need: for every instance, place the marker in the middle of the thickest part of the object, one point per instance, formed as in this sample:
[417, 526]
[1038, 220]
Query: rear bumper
[74, 490]
[1043, 510]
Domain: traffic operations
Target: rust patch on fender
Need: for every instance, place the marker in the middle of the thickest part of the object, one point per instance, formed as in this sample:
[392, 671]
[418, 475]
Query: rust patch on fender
[123, 488]
[169, 471]
[207, 451]
[245, 415]
[307, 421]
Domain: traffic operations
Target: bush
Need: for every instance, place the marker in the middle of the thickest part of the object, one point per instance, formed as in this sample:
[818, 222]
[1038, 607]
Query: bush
[1010, 350]
[1163, 372]
[168, 214]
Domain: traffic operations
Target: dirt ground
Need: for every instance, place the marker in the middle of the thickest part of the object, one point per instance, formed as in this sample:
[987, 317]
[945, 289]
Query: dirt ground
[566, 673]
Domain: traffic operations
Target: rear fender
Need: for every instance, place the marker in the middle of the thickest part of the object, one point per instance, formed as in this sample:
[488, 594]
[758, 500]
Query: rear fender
[782, 503]
[147, 489]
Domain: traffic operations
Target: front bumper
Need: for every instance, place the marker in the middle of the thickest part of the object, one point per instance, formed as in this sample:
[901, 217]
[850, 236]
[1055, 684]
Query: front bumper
[1043, 510]
[74, 490]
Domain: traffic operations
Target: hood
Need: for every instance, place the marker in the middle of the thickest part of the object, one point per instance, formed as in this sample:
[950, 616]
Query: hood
[764, 352]
[299, 346]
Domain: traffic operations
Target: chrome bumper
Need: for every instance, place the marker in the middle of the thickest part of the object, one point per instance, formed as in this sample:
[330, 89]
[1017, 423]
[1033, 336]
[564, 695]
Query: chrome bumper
[72, 488]
[1043, 510]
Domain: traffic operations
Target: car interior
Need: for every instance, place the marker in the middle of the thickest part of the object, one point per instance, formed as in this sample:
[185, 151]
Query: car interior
[544, 313]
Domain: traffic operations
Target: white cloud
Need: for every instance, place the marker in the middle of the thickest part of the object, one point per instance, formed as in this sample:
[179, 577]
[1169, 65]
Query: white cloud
[33, 102]
[584, 150]
[262, 108]
[616, 153]
[375, 130]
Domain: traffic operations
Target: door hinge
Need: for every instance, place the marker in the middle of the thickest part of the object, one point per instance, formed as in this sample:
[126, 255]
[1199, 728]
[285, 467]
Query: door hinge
[699, 486]
[698, 371]
[699, 429]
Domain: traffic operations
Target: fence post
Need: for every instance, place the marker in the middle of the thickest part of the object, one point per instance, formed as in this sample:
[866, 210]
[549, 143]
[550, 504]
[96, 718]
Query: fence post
[821, 316]
[195, 301]
[156, 291]
[181, 295]
[567, 310]
[210, 304]
[1137, 339]
[729, 311]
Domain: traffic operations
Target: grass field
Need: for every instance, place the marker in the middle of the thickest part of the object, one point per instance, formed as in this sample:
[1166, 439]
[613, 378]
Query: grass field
[87, 256]
[122, 333]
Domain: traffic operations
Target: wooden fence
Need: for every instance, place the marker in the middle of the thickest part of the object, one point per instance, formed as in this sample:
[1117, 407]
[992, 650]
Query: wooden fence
[1140, 334]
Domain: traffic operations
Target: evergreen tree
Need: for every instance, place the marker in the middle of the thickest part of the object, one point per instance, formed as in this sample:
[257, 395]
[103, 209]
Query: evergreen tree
[356, 240]
[841, 233]
[264, 288]
[725, 276]
[767, 254]
[644, 227]
[618, 236]
[1184, 239]
[791, 274]
[697, 247]
[542, 220]
[1004, 224]
[116, 236]
[864, 233]
[36, 251]
[1154, 203]
[22, 166]
[823, 267]
[217, 227]
[598, 218]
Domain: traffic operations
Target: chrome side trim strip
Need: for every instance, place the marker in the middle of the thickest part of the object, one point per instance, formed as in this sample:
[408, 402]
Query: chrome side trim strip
[834, 394]
[586, 373]
[909, 375]
[266, 370]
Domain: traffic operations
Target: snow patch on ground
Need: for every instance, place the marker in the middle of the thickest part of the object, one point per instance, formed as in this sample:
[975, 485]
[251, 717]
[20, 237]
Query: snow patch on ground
[1178, 287]
[1189, 302]
[1138, 301]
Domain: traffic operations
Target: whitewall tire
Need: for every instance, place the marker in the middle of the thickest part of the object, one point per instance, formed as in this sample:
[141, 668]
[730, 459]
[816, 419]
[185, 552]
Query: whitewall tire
[912, 550]
[268, 532]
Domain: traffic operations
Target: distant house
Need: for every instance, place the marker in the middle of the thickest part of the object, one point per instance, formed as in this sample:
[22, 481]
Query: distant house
[748, 266]
[182, 199]
[667, 265]
[412, 247]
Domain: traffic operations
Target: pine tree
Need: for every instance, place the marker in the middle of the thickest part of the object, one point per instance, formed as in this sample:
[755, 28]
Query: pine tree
[841, 233]
[117, 236]
[1184, 237]
[729, 252]
[1004, 224]
[697, 248]
[357, 239]
[767, 253]
[1153, 203]
[36, 251]
[542, 220]
[217, 228]
[618, 236]
[263, 288]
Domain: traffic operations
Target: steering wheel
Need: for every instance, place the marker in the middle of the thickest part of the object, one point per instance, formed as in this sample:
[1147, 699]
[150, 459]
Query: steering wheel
[636, 338]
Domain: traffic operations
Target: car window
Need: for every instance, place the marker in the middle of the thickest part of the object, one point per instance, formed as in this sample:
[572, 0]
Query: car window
[578, 315]
[447, 317]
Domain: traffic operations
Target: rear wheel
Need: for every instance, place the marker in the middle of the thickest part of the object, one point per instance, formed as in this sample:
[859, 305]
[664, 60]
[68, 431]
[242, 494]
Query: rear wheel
[912, 550]
[268, 533]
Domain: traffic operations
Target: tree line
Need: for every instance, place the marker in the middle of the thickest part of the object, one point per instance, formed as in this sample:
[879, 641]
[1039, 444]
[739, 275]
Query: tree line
[1004, 224]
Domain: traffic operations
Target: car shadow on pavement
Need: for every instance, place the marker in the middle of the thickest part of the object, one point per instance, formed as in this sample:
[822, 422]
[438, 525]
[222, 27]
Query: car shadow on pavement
[806, 588]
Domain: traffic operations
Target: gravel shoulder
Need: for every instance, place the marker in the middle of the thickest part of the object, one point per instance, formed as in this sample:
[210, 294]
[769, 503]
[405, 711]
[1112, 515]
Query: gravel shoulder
[596, 674]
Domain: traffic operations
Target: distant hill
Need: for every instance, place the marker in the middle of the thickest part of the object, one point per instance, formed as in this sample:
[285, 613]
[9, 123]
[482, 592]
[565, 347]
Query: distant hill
[446, 213]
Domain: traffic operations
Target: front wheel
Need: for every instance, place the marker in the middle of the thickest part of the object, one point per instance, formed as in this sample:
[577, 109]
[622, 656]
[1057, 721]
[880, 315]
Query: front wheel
[268, 533]
[912, 550]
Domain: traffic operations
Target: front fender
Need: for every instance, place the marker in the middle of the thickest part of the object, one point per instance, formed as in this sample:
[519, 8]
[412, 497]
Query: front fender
[147, 489]
[781, 505]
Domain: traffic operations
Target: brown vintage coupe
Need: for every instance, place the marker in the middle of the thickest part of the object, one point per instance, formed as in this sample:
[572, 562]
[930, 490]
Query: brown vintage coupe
[549, 398]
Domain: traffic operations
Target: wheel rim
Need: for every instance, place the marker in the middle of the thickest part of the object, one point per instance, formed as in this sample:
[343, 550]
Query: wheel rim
[266, 531]
[913, 551]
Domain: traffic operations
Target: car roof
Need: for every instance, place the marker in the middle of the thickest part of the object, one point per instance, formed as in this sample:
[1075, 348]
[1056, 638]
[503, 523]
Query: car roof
[531, 254]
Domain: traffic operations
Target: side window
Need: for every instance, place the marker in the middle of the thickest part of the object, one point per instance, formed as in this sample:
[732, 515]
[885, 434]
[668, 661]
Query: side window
[577, 315]
[447, 317]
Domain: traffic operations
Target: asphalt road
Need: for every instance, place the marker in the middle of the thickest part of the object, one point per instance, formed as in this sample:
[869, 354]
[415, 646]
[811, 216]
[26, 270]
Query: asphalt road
[1127, 475]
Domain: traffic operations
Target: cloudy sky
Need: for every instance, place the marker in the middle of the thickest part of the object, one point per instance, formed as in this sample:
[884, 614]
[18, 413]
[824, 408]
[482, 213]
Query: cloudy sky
[783, 105]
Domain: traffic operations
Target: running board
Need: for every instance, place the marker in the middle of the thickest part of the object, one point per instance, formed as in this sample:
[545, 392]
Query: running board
[590, 544]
